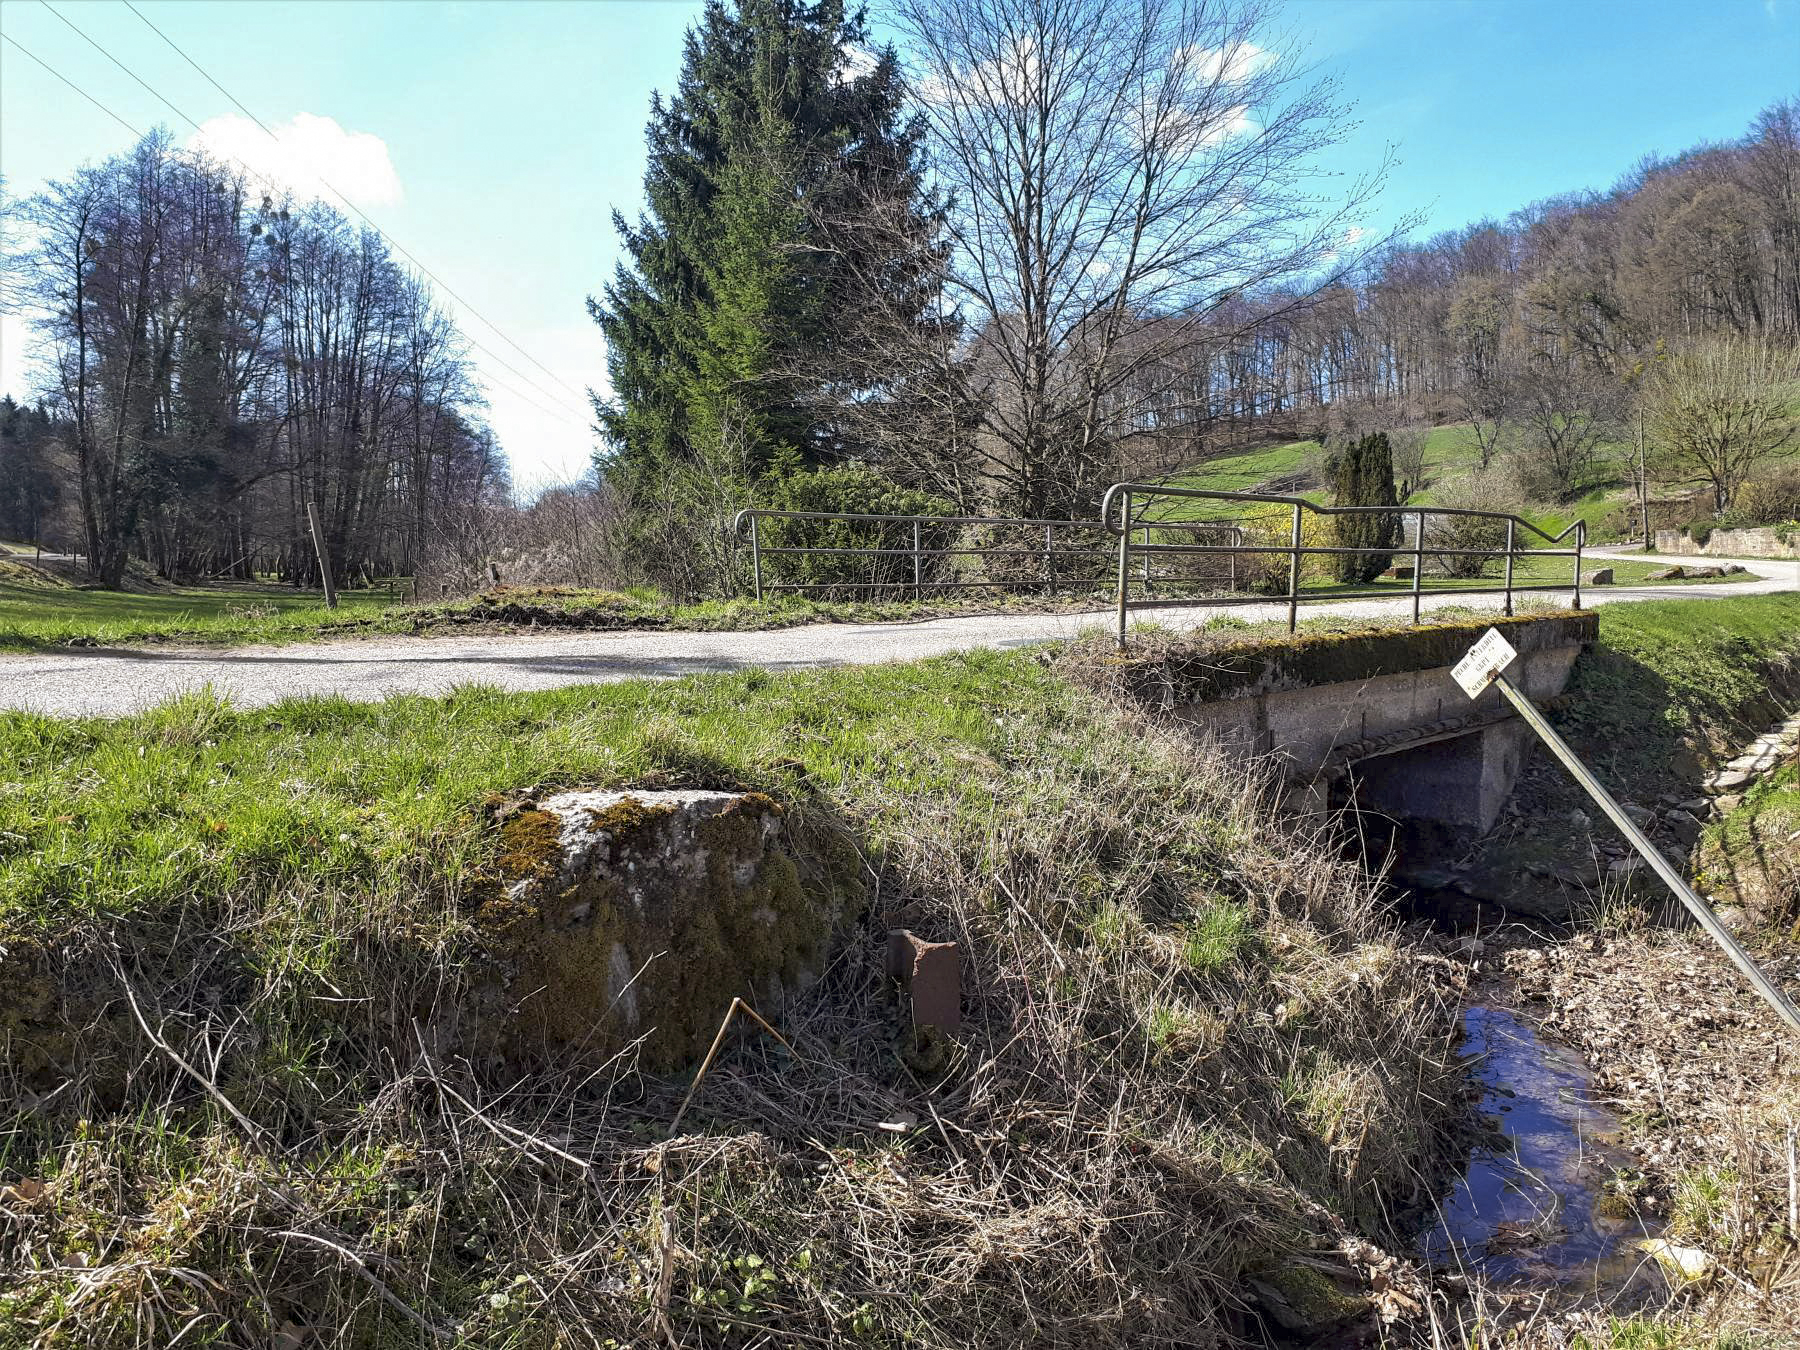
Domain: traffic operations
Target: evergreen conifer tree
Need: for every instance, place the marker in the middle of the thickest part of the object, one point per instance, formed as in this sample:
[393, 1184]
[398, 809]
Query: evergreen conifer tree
[1364, 476]
[723, 310]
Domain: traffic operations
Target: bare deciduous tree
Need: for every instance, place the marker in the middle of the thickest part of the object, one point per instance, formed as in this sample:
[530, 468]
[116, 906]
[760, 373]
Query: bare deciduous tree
[1722, 407]
[1117, 169]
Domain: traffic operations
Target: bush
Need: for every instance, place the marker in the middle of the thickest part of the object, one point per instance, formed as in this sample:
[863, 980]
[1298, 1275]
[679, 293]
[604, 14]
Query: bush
[1769, 499]
[1481, 493]
[1699, 530]
[850, 490]
[1081, 559]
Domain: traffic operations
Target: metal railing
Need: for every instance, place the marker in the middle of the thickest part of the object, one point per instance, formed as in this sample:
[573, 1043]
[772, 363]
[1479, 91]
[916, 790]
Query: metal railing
[1123, 512]
[919, 553]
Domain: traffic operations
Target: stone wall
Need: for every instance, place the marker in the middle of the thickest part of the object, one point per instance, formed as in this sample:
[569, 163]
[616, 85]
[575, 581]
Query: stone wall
[1757, 543]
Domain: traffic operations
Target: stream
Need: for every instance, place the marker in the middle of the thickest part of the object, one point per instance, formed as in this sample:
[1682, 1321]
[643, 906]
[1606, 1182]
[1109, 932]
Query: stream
[1531, 1208]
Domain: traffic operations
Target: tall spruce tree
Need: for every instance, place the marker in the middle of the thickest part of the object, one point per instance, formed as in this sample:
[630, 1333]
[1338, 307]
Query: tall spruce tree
[1365, 477]
[720, 321]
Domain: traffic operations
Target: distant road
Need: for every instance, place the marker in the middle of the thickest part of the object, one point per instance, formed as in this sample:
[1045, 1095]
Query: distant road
[111, 682]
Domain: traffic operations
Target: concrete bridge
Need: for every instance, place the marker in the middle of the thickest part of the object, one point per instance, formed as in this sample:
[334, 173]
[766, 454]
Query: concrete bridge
[1372, 718]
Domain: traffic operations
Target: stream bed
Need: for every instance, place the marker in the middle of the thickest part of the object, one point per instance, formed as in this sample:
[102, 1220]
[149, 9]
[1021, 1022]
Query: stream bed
[1533, 1209]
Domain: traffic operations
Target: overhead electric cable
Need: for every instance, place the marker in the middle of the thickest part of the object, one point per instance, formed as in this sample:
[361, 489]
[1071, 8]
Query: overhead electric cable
[557, 411]
[354, 207]
[77, 88]
[120, 64]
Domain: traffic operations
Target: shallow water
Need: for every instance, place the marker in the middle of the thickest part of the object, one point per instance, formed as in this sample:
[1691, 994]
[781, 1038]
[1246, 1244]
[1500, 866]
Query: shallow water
[1525, 1214]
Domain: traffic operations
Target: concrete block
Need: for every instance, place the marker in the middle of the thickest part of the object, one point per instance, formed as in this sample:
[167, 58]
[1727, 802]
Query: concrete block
[636, 916]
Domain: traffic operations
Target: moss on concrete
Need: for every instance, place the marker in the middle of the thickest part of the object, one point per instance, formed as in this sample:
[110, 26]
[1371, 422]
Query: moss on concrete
[1305, 1300]
[640, 916]
[1210, 668]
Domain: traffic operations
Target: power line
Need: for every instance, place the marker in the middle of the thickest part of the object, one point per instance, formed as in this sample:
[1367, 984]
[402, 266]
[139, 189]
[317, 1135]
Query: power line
[555, 412]
[359, 211]
[120, 64]
[77, 88]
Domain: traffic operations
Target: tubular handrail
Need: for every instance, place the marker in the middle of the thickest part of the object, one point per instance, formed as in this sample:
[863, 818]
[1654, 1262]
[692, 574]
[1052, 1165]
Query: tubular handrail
[1577, 526]
[1297, 548]
[768, 513]
[1118, 517]
[921, 551]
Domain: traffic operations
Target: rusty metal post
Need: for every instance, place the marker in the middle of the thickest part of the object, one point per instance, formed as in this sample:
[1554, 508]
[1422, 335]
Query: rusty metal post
[1049, 564]
[918, 565]
[1294, 575]
[1512, 527]
[1146, 561]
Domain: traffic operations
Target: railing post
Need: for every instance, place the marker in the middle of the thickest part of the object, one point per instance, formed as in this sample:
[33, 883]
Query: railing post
[1049, 565]
[1512, 527]
[1146, 560]
[918, 564]
[1580, 539]
[1418, 561]
[756, 556]
[1124, 561]
[1294, 574]
[1237, 540]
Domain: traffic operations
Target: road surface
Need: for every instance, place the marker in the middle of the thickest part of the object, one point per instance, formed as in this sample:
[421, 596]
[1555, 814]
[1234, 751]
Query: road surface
[115, 681]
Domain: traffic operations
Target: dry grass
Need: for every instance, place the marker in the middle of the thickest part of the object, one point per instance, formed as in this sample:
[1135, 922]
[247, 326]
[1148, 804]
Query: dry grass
[1194, 1056]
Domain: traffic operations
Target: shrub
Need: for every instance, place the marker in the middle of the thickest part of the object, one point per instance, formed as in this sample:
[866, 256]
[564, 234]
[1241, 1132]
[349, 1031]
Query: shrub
[850, 490]
[1764, 501]
[1079, 558]
[1699, 530]
[1481, 493]
[1365, 477]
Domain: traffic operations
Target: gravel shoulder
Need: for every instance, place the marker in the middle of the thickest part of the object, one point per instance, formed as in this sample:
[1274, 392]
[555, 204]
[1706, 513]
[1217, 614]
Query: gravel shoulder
[118, 681]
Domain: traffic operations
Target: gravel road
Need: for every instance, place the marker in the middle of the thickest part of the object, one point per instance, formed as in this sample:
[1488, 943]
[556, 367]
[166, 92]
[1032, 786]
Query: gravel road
[112, 682]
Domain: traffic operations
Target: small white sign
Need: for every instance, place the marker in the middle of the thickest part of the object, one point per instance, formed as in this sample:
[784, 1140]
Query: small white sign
[1486, 659]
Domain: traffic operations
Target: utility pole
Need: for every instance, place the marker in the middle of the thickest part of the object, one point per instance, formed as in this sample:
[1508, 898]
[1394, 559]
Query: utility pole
[318, 538]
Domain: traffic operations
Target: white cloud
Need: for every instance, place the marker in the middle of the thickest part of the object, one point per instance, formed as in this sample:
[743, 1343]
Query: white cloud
[1215, 65]
[307, 152]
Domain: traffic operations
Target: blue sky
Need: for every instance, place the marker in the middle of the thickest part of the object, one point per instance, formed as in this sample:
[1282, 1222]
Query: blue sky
[493, 139]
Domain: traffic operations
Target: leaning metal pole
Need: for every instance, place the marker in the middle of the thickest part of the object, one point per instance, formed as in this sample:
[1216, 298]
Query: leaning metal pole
[1652, 855]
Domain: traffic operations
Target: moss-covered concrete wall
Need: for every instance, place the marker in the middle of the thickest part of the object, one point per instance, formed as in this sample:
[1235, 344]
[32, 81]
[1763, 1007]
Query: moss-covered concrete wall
[1210, 668]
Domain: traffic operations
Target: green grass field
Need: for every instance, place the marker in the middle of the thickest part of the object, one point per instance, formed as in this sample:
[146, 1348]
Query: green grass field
[296, 898]
[33, 614]
[1450, 454]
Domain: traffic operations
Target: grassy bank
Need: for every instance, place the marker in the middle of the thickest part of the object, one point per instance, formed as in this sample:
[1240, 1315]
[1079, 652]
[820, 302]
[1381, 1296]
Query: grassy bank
[1193, 1052]
[1700, 1071]
[35, 617]
[1676, 684]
